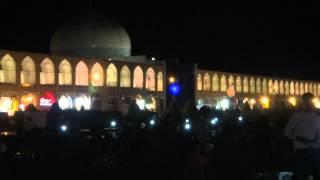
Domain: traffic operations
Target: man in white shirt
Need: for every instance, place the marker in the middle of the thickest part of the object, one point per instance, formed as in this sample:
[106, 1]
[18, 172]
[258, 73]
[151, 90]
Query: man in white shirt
[304, 129]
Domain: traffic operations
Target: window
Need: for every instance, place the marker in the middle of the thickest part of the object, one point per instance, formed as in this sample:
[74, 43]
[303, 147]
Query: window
[160, 81]
[206, 82]
[264, 87]
[223, 83]
[281, 87]
[97, 75]
[125, 77]
[252, 85]
[258, 86]
[82, 74]
[150, 80]
[245, 85]
[215, 83]
[8, 70]
[138, 77]
[28, 73]
[112, 76]
[47, 72]
[301, 88]
[65, 73]
[238, 84]
[287, 88]
[199, 82]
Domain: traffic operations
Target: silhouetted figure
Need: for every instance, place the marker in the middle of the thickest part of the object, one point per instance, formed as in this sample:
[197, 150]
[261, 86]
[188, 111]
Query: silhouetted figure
[53, 117]
[304, 129]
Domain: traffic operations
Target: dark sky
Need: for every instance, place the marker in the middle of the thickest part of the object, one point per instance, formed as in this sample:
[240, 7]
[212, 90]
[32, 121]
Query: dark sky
[279, 39]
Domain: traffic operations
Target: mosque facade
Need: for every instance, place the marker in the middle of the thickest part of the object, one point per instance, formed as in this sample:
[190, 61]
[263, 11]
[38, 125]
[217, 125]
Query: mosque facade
[90, 66]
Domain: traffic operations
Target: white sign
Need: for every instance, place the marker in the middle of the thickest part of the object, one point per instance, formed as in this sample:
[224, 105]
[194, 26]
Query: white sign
[45, 102]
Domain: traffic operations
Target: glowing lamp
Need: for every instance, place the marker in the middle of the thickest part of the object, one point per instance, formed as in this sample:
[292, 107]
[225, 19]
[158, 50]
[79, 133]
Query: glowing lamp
[174, 89]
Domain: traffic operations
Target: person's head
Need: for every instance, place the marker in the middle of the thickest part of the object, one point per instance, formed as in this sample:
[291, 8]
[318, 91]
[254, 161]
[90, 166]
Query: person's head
[307, 100]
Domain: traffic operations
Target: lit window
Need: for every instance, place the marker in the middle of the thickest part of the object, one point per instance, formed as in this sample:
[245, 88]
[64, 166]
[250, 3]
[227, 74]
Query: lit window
[8, 70]
[112, 76]
[47, 72]
[82, 72]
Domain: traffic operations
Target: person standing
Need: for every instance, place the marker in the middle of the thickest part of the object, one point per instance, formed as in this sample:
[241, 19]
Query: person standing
[304, 129]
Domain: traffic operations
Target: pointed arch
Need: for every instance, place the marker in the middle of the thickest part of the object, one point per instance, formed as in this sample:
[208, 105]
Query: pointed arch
[310, 87]
[160, 81]
[258, 86]
[270, 86]
[8, 69]
[65, 73]
[138, 77]
[223, 83]
[252, 85]
[230, 81]
[318, 89]
[97, 75]
[306, 87]
[150, 79]
[238, 84]
[301, 88]
[281, 87]
[47, 74]
[28, 72]
[206, 82]
[215, 83]
[264, 87]
[315, 92]
[297, 89]
[112, 75]
[276, 87]
[287, 88]
[291, 88]
[82, 74]
[245, 85]
[125, 77]
[199, 82]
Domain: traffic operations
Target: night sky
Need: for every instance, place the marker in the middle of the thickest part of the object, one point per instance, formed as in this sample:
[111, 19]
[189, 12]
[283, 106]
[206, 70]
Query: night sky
[279, 39]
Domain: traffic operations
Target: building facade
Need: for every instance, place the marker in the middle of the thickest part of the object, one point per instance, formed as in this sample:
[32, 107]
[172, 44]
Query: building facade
[213, 87]
[41, 79]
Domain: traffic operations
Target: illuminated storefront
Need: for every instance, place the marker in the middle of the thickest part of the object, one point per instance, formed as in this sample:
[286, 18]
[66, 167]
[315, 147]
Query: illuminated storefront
[82, 101]
[65, 102]
[27, 99]
[9, 105]
[46, 100]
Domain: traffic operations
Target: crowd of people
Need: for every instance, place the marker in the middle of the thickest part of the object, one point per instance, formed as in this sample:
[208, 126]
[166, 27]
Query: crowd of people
[240, 143]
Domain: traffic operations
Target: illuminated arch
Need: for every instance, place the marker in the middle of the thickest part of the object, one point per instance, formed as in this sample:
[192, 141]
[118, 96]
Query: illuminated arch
[112, 75]
[281, 87]
[318, 89]
[206, 82]
[287, 88]
[270, 87]
[47, 75]
[252, 85]
[223, 83]
[276, 87]
[160, 81]
[138, 77]
[238, 84]
[230, 81]
[258, 86]
[315, 92]
[215, 83]
[310, 88]
[125, 77]
[28, 72]
[245, 85]
[97, 75]
[306, 87]
[264, 87]
[65, 73]
[65, 102]
[291, 88]
[199, 82]
[150, 79]
[8, 69]
[301, 88]
[297, 89]
[82, 74]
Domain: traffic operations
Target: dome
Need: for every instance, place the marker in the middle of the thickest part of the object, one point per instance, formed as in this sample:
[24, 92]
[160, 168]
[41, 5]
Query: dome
[91, 35]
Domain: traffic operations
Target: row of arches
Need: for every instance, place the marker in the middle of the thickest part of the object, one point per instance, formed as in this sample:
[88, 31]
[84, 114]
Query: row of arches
[83, 77]
[254, 85]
